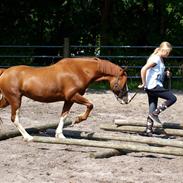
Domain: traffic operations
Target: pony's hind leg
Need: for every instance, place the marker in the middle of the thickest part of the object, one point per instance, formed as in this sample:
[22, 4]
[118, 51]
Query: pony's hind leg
[15, 109]
[64, 114]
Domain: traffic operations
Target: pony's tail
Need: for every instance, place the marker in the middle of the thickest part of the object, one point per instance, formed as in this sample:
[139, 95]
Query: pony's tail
[3, 103]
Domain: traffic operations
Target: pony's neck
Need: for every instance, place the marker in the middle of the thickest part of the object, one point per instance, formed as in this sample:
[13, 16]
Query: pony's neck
[108, 68]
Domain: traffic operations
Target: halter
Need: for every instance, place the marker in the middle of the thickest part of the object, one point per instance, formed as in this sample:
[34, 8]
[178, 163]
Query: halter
[122, 93]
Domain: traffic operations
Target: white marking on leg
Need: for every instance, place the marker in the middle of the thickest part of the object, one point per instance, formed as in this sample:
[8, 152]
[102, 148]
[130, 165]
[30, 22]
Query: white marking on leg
[59, 130]
[21, 129]
[1, 96]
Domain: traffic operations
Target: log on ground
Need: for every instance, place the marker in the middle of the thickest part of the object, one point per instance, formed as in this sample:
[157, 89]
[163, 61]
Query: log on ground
[123, 137]
[36, 129]
[167, 131]
[106, 153]
[121, 122]
[130, 147]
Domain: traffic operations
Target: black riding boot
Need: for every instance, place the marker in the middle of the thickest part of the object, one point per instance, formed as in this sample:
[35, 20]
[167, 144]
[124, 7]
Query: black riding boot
[149, 127]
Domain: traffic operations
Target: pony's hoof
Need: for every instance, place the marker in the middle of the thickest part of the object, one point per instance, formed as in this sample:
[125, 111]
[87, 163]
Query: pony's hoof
[72, 124]
[59, 136]
[78, 120]
[28, 139]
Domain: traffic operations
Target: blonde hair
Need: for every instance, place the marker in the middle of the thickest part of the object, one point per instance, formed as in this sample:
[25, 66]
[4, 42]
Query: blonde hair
[163, 46]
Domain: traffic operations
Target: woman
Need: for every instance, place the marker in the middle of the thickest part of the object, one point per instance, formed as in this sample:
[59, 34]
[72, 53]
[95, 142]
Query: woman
[152, 75]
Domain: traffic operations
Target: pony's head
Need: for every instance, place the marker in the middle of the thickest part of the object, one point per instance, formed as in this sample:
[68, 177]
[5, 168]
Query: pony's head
[118, 85]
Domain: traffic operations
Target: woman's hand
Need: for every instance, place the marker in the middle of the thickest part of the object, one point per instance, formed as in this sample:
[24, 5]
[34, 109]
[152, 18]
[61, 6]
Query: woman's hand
[141, 86]
[168, 74]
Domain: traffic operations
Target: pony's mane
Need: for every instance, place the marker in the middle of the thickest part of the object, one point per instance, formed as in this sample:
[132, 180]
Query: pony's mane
[108, 68]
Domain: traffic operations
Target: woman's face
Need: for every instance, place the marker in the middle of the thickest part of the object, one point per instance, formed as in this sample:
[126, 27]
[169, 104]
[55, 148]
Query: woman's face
[165, 53]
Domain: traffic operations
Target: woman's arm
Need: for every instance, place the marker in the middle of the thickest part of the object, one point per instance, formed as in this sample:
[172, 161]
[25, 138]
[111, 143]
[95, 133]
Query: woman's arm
[143, 72]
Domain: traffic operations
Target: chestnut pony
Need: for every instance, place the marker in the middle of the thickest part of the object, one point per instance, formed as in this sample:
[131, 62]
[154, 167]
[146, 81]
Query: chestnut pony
[67, 81]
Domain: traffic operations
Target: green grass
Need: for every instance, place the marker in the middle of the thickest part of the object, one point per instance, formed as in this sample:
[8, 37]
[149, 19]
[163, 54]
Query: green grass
[177, 84]
[99, 86]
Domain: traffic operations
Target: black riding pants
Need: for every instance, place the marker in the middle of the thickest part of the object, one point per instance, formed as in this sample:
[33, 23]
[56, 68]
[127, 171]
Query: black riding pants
[159, 92]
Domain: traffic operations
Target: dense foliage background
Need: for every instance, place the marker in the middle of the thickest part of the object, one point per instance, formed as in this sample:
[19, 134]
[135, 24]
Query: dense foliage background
[92, 23]
[106, 22]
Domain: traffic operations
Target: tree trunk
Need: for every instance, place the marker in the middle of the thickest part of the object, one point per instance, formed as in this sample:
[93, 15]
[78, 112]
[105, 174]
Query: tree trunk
[106, 6]
[158, 14]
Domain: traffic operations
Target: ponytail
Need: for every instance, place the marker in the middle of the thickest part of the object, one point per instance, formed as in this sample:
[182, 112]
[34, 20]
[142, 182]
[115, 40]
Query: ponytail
[156, 51]
[163, 45]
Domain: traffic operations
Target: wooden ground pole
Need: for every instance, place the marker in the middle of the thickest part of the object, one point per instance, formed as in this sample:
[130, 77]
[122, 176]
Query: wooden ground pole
[123, 137]
[167, 131]
[121, 122]
[130, 147]
[10, 134]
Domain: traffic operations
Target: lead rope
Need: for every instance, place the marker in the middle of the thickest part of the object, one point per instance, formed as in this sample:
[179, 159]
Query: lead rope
[132, 97]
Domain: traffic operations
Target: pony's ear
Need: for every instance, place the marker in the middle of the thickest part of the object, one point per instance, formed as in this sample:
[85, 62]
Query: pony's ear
[125, 68]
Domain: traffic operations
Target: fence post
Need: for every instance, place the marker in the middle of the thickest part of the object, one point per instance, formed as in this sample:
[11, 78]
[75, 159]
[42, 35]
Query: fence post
[66, 47]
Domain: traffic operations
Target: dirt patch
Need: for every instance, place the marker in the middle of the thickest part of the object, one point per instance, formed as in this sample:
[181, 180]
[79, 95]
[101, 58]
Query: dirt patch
[36, 162]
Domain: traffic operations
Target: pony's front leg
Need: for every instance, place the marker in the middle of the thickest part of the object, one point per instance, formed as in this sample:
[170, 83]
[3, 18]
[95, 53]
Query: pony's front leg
[15, 118]
[65, 112]
[77, 98]
[59, 130]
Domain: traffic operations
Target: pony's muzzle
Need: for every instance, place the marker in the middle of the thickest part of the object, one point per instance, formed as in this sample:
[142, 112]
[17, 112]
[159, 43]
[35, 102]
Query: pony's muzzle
[123, 100]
